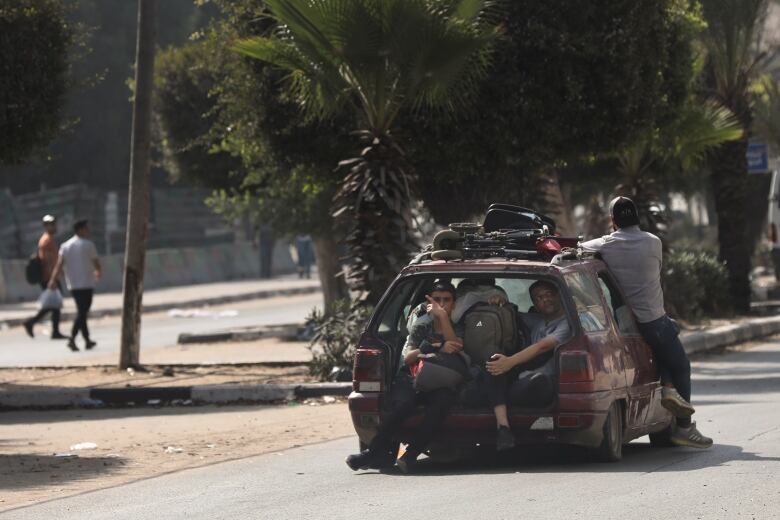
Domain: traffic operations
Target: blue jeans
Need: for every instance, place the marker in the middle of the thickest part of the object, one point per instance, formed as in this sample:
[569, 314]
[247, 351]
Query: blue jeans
[663, 336]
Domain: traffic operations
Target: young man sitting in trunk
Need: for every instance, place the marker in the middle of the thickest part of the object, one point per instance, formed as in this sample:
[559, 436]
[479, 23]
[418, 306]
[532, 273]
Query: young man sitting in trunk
[521, 372]
[432, 331]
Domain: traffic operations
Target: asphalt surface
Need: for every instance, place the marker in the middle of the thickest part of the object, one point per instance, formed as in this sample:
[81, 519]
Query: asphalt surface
[157, 330]
[736, 395]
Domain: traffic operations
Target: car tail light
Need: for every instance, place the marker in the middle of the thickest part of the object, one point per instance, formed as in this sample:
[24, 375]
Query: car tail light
[773, 233]
[369, 370]
[575, 367]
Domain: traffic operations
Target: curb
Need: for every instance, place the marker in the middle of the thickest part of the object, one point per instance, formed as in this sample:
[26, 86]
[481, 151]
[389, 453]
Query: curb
[726, 335]
[200, 302]
[694, 342]
[284, 331]
[181, 395]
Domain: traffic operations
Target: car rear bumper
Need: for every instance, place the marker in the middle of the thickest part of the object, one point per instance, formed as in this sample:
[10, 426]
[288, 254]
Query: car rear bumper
[577, 419]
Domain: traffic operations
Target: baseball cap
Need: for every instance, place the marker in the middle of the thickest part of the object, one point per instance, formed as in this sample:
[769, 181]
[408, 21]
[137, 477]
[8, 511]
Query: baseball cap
[49, 218]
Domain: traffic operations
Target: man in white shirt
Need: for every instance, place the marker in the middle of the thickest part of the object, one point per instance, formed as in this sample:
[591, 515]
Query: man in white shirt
[634, 257]
[79, 260]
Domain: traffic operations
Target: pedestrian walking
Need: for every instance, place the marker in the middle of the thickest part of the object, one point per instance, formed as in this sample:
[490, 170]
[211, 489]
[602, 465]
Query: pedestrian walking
[78, 259]
[305, 250]
[47, 257]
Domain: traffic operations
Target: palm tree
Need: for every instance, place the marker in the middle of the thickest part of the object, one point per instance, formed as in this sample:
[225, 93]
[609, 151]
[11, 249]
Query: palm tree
[680, 146]
[378, 58]
[732, 40]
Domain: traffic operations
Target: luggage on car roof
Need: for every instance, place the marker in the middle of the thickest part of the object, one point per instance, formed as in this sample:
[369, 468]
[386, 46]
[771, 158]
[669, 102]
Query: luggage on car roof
[508, 216]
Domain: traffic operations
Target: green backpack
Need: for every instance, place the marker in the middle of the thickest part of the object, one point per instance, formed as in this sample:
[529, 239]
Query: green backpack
[490, 329]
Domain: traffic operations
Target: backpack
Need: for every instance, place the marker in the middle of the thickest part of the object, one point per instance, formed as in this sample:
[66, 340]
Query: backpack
[491, 329]
[33, 271]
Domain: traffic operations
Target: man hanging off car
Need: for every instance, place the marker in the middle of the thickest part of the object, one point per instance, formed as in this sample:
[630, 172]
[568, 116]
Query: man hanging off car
[634, 257]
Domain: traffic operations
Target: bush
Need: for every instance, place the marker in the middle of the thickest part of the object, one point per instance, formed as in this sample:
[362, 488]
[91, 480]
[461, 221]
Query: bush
[696, 285]
[335, 338]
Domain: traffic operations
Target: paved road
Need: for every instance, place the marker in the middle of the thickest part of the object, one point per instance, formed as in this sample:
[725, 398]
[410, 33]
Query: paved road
[737, 397]
[158, 330]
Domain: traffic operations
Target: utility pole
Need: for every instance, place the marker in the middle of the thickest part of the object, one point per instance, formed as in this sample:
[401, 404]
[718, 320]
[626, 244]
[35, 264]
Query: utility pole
[138, 195]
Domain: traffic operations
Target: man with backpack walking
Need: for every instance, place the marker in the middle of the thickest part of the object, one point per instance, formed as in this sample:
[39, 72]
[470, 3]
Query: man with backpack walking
[40, 269]
[634, 257]
[78, 258]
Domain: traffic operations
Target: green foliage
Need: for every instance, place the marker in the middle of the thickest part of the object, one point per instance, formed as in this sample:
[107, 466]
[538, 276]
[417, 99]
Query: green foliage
[374, 59]
[766, 93]
[35, 37]
[336, 337]
[734, 30]
[564, 83]
[377, 55]
[696, 285]
[185, 114]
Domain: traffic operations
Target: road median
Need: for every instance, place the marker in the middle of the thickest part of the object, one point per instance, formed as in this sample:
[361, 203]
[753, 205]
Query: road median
[21, 396]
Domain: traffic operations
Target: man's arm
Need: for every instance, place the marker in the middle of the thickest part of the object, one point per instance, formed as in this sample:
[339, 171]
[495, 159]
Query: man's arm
[593, 246]
[500, 363]
[98, 268]
[55, 274]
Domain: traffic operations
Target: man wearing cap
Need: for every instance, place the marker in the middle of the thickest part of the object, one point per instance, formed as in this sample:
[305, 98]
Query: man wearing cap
[47, 253]
[634, 257]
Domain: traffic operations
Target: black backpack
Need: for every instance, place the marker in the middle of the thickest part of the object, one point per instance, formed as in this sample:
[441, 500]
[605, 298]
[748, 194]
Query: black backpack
[33, 272]
[491, 329]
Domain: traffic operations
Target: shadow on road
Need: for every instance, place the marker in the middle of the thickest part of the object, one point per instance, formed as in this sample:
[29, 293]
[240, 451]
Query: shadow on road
[31, 470]
[638, 458]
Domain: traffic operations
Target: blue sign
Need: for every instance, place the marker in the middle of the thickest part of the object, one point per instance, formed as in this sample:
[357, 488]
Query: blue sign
[757, 158]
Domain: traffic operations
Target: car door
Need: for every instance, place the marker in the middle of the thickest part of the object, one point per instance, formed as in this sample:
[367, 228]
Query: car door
[608, 358]
[641, 373]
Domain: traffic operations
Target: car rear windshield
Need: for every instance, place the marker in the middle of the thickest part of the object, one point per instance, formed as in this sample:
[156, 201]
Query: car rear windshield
[408, 297]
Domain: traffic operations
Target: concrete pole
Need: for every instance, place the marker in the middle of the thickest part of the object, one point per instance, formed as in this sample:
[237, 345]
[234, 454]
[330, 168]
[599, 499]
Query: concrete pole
[138, 196]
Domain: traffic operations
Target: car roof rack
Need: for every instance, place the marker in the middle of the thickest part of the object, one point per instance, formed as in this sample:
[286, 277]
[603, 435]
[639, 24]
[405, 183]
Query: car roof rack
[508, 231]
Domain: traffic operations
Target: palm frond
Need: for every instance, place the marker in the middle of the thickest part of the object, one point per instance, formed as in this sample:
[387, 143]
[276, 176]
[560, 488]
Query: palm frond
[767, 110]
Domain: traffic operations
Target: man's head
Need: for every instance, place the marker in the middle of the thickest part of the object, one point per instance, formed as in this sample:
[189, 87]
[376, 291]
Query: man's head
[49, 224]
[623, 212]
[81, 228]
[443, 293]
[546, 298]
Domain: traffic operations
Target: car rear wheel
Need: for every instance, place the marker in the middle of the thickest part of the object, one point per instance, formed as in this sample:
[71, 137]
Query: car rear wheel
[662, 439]
[611, 448]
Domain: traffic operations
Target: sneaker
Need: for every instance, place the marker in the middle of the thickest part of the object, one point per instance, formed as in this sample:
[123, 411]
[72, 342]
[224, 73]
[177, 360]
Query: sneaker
[690, 437]
[673, 401]
[407, 463]
[90, 344]
[505, 439]
[364, 460]
[58, 335]
[72, 345]
[28, 326]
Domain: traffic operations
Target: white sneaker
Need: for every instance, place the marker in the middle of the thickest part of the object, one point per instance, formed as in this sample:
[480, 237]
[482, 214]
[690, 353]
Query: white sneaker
[673, 401]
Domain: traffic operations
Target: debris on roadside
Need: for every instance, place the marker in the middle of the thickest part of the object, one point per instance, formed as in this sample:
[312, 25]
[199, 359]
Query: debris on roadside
[173, 449]
[83, 446]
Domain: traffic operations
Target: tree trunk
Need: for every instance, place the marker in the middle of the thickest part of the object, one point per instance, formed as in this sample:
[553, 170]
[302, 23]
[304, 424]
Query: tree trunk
[729, 183]
[334, 286]
[138, 197]
[557, 206]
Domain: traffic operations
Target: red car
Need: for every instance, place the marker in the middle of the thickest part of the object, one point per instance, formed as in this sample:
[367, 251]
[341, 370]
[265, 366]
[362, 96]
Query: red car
[606, 380]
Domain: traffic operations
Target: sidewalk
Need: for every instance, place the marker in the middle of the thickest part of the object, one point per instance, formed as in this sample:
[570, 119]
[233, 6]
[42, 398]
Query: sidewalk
[110, 304]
